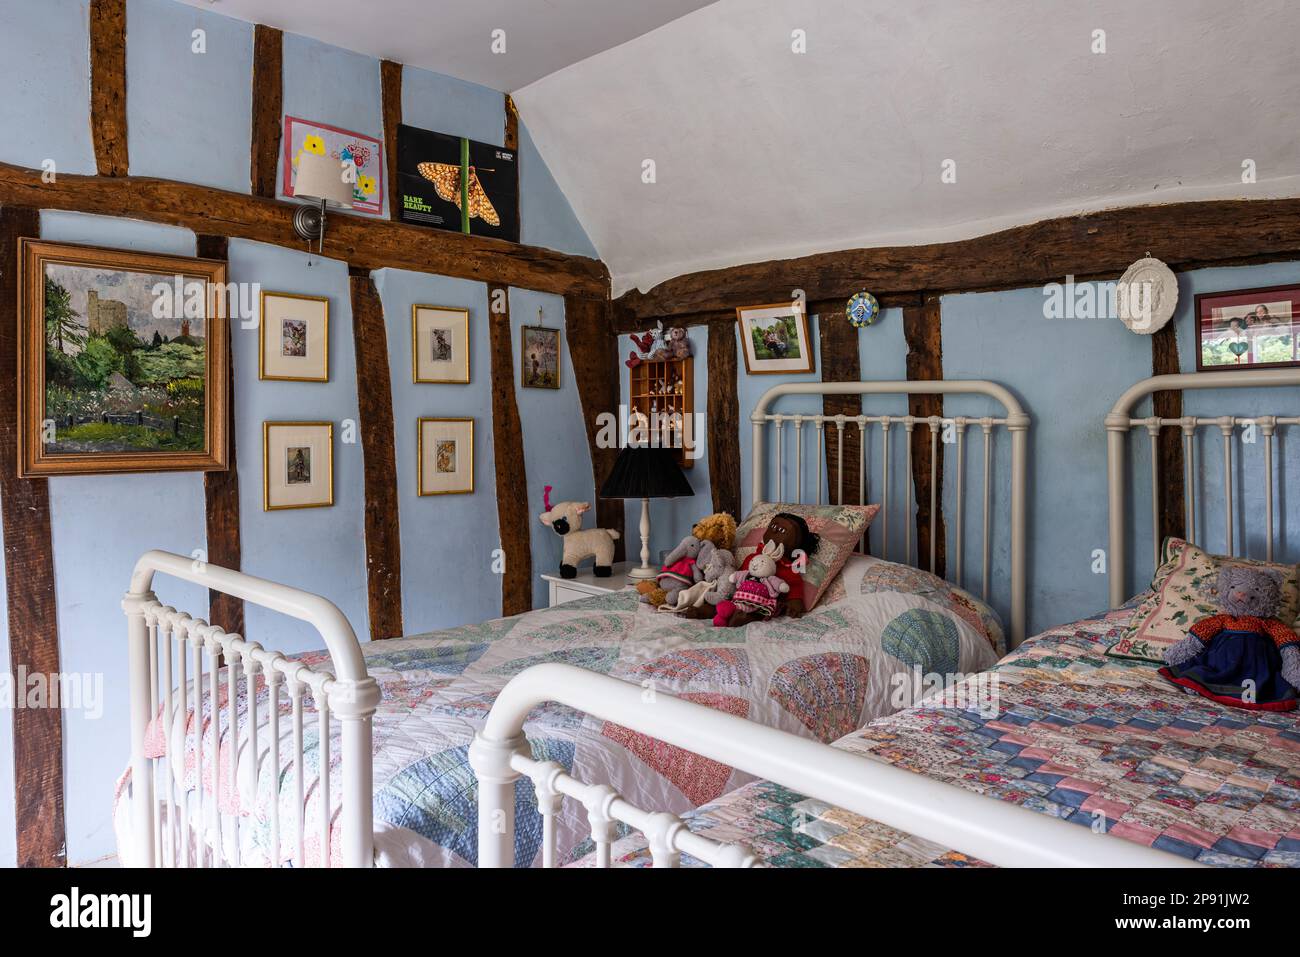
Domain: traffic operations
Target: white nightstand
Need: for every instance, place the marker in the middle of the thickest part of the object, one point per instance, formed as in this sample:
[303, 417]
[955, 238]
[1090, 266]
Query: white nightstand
[587, 584]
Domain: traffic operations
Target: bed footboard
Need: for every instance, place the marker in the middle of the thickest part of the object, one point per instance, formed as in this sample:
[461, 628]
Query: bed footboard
[174, 827]
[998, 832]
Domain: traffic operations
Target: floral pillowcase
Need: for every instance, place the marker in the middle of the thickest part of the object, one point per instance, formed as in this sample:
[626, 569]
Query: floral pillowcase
[1182, 593]
[840, 528]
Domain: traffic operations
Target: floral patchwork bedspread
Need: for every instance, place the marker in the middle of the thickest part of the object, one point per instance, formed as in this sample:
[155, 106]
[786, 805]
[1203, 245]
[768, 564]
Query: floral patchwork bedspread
[851, 659]
[1099, 742]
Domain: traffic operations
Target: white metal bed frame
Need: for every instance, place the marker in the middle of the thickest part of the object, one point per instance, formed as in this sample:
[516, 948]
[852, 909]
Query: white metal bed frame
[163, 835]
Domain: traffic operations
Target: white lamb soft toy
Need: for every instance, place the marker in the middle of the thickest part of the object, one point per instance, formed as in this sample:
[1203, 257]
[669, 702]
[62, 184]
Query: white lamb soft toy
[565, 519]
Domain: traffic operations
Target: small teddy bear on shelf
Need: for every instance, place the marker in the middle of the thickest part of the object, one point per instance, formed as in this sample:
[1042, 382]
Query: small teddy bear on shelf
[1244, 656]
[678, 343]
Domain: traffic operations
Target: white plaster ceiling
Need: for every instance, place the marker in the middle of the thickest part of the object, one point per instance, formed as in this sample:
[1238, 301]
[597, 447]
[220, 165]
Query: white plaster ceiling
[763, 153]
[455, 36]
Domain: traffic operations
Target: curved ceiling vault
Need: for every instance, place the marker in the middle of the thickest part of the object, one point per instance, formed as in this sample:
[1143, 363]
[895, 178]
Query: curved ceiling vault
[763, 153]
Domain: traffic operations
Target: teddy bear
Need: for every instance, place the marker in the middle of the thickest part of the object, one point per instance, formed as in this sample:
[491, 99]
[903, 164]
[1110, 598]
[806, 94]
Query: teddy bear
[758, 586]
[678, 343]
[718, 529]
[1244, 656]
[792, 533]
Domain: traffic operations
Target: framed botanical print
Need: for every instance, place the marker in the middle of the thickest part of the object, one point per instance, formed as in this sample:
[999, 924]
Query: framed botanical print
[1248, 329]
[775, 338]
[446, 456]
[439, 344]
[122, 360]
[295, 344]
[297, 465]
[539, 357]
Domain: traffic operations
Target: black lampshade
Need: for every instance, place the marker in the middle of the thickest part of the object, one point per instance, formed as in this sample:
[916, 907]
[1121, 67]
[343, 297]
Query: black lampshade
[643, 472]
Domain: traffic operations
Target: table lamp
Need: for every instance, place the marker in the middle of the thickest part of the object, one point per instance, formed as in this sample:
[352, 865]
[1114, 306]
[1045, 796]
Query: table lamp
[320, 178]
[645, 473]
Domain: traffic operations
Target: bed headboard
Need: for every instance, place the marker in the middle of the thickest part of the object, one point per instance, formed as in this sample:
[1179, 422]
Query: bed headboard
[1257, 429]
[877, 429]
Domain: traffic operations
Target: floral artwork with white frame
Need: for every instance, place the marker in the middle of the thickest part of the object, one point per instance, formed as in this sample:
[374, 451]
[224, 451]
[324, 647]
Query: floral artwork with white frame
[439, 344]
[295, 338]
[446, 456]
[297, 465]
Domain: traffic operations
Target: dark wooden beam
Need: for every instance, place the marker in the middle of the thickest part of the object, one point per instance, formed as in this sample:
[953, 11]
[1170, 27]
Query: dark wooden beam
[390, 81]
[1169, 405]
[511, 142]
[108, 86]
[221, 489]
[593, 353]
[1184, 235]
[722, 434]
[512, 475]
[625, 320]
[29, 585]
[268, 109]
[363, 243]
[923, 330]
[375, 403]
[839, 363]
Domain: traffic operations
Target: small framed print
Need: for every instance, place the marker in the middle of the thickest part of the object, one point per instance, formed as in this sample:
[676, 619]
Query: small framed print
[775, 338]
[295, 343]
[439, 344]
[1248, 329]
[297, 465]
[446, 456]
[539, 357]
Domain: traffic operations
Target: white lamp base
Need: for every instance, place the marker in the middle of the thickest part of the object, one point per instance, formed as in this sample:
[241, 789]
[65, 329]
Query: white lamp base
[644, 571]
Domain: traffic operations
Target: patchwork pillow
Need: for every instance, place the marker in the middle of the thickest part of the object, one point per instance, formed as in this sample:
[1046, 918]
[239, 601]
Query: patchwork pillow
[1183, 592]
[839, 528]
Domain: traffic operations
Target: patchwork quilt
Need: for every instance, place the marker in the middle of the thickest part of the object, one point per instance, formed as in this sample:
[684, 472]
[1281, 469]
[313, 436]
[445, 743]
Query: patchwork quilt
[859, 655]
[1100, 742]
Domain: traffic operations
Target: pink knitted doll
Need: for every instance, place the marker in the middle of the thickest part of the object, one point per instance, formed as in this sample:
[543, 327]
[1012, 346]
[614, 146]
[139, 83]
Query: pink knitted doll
[757, 586]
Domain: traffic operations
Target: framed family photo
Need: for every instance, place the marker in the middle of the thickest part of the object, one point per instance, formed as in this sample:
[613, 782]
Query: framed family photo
[446, 456]
[1248, 329]
[439, 344]
[297, 465]
[775, 338]
[295, 343]
[122, 360]
[539, 357]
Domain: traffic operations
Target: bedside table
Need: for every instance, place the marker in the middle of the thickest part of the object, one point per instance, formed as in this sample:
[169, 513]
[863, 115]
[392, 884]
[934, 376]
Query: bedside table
[587, 584]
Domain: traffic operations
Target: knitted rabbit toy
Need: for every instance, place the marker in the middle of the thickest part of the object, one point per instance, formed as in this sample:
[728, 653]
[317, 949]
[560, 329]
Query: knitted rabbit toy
[1244, 656]
[758, 585]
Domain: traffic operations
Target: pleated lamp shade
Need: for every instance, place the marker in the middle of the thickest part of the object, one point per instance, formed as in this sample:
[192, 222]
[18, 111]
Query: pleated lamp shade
[646, 473]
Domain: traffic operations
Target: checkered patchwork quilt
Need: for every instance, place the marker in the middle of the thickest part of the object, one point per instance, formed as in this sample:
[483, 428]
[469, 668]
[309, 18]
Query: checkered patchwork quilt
[1099, 742]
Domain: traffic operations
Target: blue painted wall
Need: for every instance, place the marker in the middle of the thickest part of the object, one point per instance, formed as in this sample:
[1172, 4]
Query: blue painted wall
[189, 119]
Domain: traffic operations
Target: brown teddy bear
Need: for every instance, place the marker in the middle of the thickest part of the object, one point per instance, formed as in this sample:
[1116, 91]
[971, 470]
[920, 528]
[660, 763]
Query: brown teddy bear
[718, 528]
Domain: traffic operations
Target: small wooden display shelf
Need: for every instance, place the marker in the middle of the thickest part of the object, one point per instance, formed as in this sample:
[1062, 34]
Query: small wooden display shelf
[660, 388]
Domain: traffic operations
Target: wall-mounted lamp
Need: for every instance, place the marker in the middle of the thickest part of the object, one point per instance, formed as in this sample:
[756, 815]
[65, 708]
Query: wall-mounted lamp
[320, 179]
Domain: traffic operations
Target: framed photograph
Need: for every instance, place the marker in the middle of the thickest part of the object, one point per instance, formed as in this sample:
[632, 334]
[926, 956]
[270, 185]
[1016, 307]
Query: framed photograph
[364, 153]
[446, 456]
[539, 357]
[295, 343]
[448, 182]
[122, 361]
[775, 338]
[439, 344]
[1248, 329]
[297, 465]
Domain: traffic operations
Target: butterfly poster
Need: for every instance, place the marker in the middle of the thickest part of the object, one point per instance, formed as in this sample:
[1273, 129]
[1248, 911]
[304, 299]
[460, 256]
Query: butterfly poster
[450, 182]
[361, 156]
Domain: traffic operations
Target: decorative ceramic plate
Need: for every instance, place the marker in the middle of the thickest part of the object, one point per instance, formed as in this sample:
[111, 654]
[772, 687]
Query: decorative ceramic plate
[1146, 296]
[863, 309]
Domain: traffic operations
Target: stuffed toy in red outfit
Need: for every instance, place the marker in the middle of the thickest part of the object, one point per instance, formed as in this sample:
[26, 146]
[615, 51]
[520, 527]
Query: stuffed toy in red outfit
[791, 534]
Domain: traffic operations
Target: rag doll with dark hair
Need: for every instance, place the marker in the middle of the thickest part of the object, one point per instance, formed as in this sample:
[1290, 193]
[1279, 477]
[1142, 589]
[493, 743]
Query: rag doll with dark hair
[786, 534]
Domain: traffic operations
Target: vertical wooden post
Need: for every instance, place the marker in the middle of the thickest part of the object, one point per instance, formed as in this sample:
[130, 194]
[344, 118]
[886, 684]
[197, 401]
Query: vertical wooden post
[840, 363]
[511, 473]
[108, 86]
[268, 103]
[1169, 405]
[29, 583]
[512, 143]
[375, 402]
[390, 82]
[923, 330]
[722, 431]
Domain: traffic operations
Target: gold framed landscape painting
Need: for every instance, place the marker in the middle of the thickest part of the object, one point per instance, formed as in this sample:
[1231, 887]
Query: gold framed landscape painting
[297, 465]
[295, 338]
[445, 456]
[439, 345]
[122, 361]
